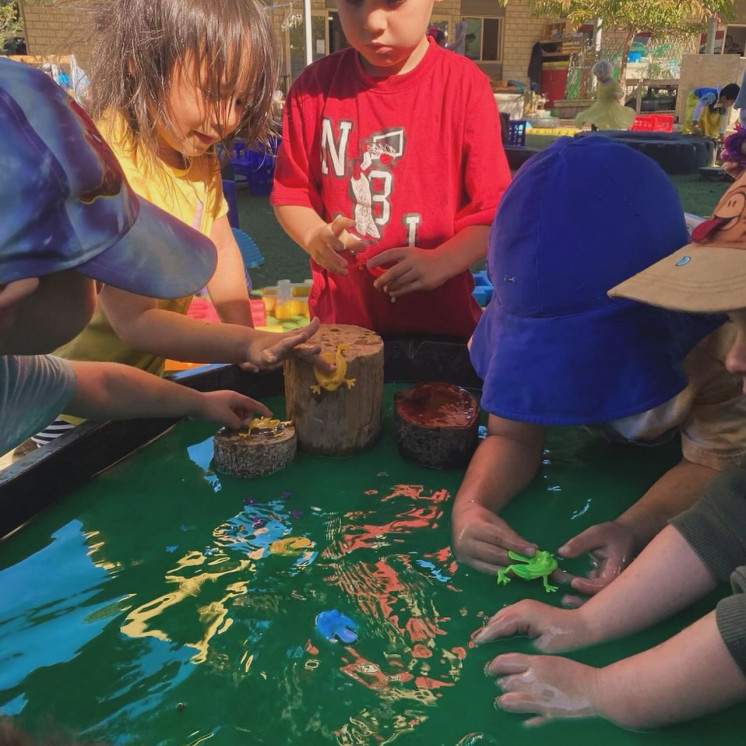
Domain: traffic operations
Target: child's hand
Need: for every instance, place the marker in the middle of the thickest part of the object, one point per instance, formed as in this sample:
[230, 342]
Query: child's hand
[414, 269]
[482, 539]
[611, 545]
[551, 629]
[230, 409]
[550, 687]
[326, 243]
[267, 350]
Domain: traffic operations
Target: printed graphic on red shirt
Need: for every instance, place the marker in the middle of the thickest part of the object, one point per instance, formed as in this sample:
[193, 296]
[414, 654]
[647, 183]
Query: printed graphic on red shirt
[371, 175]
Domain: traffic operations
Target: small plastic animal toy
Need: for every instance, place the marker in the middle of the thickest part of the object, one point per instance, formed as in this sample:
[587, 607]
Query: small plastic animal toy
[332, 381]
[265, 426]
[541, 565]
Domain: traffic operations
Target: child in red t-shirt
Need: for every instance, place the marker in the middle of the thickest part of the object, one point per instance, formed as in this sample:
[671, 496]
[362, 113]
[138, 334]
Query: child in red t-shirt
[389, 174]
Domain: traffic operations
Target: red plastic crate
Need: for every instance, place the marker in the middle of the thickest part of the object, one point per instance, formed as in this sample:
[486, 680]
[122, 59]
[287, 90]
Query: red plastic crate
[663, 122]
[643, 123]
[653, 123]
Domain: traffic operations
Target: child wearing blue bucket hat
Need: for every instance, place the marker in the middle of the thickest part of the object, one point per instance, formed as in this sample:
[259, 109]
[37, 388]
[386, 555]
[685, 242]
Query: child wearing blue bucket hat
[553, 349]
[703, 667]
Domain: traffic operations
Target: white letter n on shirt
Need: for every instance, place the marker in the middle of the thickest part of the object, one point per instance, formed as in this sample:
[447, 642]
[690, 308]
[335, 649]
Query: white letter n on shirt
[336, 150]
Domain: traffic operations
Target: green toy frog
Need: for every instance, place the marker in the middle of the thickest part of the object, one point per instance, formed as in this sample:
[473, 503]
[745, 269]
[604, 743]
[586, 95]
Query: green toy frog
[541, 565]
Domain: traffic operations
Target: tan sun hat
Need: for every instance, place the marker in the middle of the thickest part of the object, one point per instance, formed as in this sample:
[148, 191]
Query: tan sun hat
[707, 275]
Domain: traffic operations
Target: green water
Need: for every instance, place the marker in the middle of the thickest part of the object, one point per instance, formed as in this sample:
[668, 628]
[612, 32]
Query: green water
[147, 609]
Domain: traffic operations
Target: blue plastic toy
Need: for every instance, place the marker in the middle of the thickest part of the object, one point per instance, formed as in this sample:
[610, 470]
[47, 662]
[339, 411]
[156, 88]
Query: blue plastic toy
[482, 288]
[250, 253]
[335, 625]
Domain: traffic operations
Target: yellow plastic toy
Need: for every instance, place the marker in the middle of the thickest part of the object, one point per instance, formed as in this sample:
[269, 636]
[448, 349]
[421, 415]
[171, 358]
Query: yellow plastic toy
[332, 381]
[265, 426]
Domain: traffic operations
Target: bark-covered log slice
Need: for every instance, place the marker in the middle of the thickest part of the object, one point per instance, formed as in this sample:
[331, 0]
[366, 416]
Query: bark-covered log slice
[339, 413]
[256, 452]
[437, 424]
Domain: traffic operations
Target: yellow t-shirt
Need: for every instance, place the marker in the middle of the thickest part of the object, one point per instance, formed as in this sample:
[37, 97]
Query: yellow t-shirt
[194, 195]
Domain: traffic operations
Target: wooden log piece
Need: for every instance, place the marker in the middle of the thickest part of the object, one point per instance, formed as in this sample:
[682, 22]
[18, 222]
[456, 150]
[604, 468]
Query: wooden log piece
[340, 413]
[254, 453]
[437, 424]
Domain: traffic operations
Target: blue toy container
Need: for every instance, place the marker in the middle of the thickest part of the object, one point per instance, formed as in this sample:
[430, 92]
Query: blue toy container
[517, 132]
[229, 192]
[482, 288]
[255, 165]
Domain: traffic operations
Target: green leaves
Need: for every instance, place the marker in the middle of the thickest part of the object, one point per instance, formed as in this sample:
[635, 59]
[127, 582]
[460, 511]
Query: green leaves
[10, 21]
[669, 18]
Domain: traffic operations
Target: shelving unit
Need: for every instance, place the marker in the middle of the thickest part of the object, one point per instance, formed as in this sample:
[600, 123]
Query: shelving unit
[565, 44]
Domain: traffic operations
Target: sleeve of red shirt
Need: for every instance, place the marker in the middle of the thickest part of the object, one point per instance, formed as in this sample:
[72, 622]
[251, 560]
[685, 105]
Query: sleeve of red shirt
[485, 167]
[293, 178]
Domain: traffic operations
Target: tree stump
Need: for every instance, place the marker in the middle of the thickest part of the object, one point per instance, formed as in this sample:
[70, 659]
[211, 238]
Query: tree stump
[253, 454]
[340, 413]
[437, 424]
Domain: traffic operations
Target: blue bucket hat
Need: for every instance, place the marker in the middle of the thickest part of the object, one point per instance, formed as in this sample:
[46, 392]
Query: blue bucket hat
[65, 203]
[552, 348]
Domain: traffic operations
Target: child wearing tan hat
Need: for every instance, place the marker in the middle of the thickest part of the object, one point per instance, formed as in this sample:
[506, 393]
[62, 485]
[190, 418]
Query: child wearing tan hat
[703, 668]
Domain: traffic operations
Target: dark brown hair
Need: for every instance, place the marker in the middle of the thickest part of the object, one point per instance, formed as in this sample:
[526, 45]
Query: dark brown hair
[140, 42]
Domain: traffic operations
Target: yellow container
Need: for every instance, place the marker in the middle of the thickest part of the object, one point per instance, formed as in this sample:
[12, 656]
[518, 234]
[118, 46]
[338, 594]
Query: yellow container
[299, 307]
[302, 290]
[283, 310]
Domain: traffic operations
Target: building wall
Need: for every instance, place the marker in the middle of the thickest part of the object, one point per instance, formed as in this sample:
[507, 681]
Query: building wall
[65, 26]
[522, 31]
[59, 27]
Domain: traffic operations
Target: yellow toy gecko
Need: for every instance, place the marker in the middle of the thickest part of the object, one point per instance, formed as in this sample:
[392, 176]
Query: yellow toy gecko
[332, 381]
[265, 426]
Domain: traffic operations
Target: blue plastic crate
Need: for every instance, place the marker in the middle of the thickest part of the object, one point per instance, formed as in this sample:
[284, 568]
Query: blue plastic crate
[517, 132]
[229, 192]
[254, 166]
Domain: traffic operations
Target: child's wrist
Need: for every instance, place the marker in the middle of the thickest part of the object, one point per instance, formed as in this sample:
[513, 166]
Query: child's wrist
[589, 632]
[603, 694]
[641, 527]
[198, 406]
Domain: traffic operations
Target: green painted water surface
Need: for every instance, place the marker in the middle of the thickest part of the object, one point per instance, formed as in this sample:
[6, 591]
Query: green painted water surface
[148, 608]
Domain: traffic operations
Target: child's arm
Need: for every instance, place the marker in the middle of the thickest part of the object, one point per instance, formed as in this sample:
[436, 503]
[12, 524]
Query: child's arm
[690, 675]
[143, 326]
[227, 287]
[426, 269]
[111, 391]
[321, 241]
[667, 576]
[505, 462]
[615, 543]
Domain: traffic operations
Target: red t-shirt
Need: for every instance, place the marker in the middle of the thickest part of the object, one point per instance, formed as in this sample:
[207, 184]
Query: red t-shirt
[413, 158]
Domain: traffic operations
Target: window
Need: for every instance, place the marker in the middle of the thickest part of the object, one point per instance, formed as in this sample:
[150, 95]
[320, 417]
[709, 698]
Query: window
[442, 25]
[296, 42]
[482, 39]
